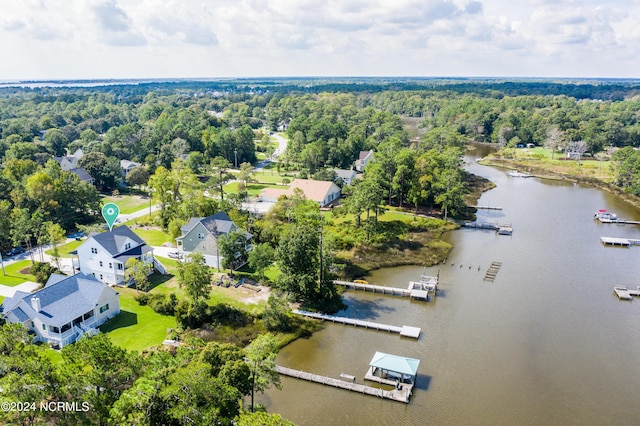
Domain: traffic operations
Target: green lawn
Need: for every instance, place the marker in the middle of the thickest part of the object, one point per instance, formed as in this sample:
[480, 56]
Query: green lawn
[127, 203]
[13, 275]
[153, 237]
[137, 327]
[66, 249]
[252, 188]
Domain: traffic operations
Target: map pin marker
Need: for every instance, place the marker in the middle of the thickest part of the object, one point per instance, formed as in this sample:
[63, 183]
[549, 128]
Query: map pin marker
[110, 213]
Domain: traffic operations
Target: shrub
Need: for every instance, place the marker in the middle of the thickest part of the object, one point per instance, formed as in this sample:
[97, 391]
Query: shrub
[42, 271]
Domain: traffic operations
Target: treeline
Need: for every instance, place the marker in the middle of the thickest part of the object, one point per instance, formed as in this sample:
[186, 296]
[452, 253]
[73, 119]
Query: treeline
[97, 382]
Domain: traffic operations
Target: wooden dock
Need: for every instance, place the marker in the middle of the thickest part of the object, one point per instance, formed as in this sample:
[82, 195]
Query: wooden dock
[502, 229]
[620, 242]
[487, 208]
[622, 292]
[618, 221]
[404, 331]
[493, 270]
[400, 395]
[391, 291]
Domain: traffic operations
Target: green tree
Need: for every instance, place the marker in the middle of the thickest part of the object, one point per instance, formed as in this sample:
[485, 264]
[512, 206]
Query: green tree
[138, 272]
[96, 371]
[232, 248]
[138, 176]
[261, 357]
[246, 170]
[54, 236]
[195, 276]
[220, 174]
[261, 418]
[104, 170]
[261, 257]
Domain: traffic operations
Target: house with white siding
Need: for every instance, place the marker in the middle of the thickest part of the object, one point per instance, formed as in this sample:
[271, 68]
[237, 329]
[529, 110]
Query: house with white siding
[64, 310]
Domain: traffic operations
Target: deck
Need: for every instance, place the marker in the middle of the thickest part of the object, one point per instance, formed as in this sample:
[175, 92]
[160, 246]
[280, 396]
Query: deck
[622, 293]
[502, 229]
[404, 331]
[391, 291]
[400, 395]
[620, 242]
[618, 221]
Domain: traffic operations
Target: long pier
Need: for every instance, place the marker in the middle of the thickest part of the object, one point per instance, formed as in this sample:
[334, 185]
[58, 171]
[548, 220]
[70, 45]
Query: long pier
[503, 229]
[405, 331]
[487, 208]
[618, 221]
[400, 395]
[391, 291]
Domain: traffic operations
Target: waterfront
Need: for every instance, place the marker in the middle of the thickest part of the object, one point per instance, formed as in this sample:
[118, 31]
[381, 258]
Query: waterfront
[546, 343]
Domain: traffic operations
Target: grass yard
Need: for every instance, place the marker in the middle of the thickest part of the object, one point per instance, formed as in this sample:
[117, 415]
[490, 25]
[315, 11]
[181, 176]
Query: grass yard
[14, 276]
[127, 203]
[153, 237]
[252, 189]
[137, 327]
[65, 249]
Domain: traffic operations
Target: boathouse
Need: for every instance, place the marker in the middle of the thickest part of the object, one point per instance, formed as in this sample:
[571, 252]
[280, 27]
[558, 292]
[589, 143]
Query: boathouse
[394, 367]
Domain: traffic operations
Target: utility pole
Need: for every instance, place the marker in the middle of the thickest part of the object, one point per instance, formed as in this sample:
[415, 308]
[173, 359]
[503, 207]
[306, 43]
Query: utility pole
[235, 156]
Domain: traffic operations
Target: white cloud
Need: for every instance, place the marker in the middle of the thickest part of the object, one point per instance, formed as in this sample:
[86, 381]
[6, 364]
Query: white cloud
[182, 38]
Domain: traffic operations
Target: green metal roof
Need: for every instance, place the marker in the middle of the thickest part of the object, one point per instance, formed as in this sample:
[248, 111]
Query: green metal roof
[395, 363]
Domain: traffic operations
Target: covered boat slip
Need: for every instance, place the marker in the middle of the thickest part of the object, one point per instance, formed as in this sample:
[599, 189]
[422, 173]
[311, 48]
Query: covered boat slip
[391, 369]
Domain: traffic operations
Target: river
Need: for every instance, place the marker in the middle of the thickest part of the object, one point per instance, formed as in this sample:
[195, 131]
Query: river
[547, 343]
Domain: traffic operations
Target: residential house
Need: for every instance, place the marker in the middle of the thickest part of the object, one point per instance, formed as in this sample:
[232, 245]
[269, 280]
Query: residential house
[126, 166]
[105, 255]
[70, 163]
[200, 235]
[347, 176]
[320, 191]
[64, 310]
[364, 158]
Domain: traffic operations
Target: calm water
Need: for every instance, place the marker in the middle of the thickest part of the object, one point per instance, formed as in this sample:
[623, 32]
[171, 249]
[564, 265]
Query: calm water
[547, 343]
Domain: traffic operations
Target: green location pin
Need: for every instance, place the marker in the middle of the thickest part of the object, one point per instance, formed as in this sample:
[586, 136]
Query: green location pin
[110, 213]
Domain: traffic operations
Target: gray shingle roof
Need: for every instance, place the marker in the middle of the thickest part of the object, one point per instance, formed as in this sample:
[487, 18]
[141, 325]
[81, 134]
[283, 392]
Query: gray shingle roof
[19, 313]
[216, 224]
[82, 174]
[62, 301]
[113, 240]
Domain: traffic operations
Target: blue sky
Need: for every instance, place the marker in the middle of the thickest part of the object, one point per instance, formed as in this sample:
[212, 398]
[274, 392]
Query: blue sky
[71, 39]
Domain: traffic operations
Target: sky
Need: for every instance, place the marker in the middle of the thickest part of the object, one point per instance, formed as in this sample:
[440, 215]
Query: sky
[99, 39]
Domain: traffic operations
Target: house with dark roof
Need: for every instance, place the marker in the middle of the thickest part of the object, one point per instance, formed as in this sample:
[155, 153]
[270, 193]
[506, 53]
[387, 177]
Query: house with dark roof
[347, 176]
[105, 255]
[200, 235]
[64, 310]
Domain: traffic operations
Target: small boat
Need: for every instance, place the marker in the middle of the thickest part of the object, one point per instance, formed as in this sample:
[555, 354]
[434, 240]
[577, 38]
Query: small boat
[604, 214]
[514, 173]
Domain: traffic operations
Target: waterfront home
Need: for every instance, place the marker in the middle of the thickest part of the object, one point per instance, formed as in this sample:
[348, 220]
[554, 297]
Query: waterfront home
[364, 158]
[64, 310]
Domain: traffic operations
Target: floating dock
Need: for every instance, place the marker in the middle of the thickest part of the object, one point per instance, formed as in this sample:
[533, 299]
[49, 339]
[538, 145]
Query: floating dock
[487, 208]
[400, 395]
[624, 293]
[391, 291]
[493, 270]
[620, 242]
[404, 331]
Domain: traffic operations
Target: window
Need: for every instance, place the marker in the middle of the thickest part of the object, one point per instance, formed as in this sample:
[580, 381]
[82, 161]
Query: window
[120, 267]
[104, 308]
[94, 250]
[110, 265]
[44, 327]
[65, 328]
[88, 315]
[127, 246]
[101, 277]
[101, 263]
[54, 329]
[200, 236]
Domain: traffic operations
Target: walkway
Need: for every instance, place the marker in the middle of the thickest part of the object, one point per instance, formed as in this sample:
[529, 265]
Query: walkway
[405, 331]
[400, 395]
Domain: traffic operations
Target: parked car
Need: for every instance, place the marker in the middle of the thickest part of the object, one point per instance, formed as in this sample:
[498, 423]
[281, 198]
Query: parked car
[175, 254]
[14, 251]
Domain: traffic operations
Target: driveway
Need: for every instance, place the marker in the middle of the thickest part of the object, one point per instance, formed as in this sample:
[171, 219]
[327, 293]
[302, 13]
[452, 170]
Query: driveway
[27, 287]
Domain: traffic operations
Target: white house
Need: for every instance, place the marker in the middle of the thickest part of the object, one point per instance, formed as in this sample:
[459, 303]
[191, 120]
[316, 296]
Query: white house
[105, 255]
[70, 163]
[64, 310]
[347, 176]
[126, 166]
[365, 158]
[320, 191]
